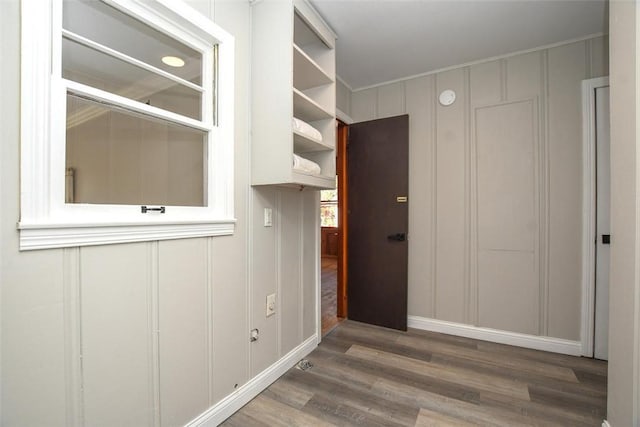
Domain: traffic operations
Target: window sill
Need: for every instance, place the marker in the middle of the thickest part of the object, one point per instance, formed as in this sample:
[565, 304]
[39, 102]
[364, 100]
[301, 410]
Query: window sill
[49, 236]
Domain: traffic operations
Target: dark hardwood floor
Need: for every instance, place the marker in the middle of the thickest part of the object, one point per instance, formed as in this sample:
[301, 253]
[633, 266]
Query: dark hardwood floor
[369, 376]
[328, 293]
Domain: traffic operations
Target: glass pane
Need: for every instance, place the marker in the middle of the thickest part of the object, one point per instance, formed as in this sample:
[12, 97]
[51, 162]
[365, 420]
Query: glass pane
[88, 66]
[117, 157]
[108, 26]
[328, 195]
[328, 215]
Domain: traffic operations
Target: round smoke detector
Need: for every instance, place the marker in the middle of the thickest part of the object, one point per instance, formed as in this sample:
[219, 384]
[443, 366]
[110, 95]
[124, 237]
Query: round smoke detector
[447, 97]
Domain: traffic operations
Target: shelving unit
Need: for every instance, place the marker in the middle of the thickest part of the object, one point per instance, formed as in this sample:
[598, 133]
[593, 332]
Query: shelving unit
[295, 77]
[303, 144]
[307, 74]
[307, 109]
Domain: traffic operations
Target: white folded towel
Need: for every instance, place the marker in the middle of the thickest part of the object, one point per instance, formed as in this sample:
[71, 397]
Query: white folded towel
[301, 164]
[306, 129]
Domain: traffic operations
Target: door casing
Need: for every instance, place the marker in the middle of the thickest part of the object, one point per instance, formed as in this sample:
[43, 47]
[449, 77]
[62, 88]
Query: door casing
[589, 211]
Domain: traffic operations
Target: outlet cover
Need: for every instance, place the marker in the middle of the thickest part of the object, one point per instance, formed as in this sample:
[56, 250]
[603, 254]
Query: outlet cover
[271, 305]
[268, 217]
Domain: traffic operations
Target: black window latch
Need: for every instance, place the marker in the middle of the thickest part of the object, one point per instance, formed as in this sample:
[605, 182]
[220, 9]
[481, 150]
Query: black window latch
[145, 209]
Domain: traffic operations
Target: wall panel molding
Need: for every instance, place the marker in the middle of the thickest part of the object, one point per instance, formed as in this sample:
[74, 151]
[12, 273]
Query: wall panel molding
[434, 192]
[153, 311]
[72, 337]
[210, 308]
[521, 246]
[540, 194]
[301, 260]
[504, 75]
[546, 199]
[588, 62]
[469, 312]
[278, 241]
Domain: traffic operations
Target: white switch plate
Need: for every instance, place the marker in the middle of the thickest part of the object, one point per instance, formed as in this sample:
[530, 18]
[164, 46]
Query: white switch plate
[271, 305]
[268, 217]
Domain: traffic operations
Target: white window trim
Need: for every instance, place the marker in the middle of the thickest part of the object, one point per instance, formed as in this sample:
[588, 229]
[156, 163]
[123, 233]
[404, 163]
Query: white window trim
[45, 221]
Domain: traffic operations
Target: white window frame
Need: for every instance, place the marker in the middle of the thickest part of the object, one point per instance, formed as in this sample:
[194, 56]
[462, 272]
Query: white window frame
[45, 220]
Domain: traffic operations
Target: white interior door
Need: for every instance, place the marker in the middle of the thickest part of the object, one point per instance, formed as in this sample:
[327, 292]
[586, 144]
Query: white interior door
[601, 330]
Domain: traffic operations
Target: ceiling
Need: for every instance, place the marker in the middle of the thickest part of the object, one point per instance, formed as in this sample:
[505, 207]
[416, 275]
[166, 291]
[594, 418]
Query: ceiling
[384, 40]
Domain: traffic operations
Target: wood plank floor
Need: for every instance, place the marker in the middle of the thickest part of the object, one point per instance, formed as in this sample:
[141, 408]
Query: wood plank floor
[369, 376]
[329, 292]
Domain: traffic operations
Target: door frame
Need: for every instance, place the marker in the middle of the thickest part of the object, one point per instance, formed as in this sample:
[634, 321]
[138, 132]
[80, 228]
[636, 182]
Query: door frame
[342, 136]
[343, 197]
[589, 211]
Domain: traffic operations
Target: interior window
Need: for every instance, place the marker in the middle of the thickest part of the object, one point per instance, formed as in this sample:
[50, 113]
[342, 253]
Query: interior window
[127, 124]
[115, 155]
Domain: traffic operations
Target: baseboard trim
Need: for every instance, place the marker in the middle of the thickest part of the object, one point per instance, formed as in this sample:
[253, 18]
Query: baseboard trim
[236, 400]
[555, 345]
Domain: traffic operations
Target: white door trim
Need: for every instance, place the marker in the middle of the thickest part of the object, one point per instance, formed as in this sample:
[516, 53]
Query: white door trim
[589, 210]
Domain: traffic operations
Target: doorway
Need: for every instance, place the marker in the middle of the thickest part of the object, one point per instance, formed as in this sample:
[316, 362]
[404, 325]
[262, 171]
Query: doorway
[596, 223]
[378, 164]
[369, 224]
[333, 237]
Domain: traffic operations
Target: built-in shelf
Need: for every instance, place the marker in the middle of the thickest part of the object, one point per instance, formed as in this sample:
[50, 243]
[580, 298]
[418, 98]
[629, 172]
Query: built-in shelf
[306, 72]
[294, 51]
[303, 144]
[309, 180]
[307, 109]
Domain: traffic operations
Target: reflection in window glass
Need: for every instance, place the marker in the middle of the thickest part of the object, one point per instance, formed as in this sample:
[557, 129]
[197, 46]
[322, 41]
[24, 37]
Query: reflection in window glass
[108, 26]
[93, 68]
[117, 157]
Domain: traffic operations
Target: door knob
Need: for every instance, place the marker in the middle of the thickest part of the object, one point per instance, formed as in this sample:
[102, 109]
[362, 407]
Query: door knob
[398, 237]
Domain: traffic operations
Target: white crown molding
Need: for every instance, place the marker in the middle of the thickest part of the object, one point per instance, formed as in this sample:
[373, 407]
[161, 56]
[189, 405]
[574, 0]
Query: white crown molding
[343, 116]
[236, 400]
[481, 61]
[554, 345]
[341, 80]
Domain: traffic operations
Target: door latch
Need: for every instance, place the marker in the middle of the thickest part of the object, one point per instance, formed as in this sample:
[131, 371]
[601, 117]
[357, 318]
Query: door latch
[606, 239]
[398, 237]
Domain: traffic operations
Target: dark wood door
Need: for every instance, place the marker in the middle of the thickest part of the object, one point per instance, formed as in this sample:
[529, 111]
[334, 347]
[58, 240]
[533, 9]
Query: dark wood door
[378, 163]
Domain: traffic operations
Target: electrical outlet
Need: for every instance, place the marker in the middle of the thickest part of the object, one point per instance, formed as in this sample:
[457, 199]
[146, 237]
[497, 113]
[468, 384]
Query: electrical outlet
[271, 305]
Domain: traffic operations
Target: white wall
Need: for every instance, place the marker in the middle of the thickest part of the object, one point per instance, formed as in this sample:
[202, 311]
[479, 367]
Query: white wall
[343, 97]
[162, 327]
[478, 257]
[623, 407]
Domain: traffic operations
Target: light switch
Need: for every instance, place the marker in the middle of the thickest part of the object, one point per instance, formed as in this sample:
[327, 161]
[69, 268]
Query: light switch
[268, 217]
